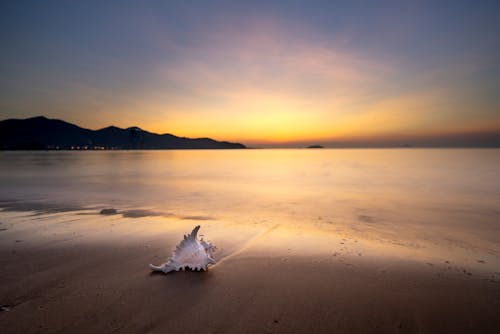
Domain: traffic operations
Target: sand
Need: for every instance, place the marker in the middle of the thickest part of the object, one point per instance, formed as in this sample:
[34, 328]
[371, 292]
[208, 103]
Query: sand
[87, 273]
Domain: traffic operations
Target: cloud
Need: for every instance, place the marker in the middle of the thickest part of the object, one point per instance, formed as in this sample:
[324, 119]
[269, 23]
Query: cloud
[257, 78]
[267, 82]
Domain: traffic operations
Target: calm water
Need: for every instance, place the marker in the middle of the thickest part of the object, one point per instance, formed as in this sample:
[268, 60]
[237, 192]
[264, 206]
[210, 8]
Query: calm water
[446, 196]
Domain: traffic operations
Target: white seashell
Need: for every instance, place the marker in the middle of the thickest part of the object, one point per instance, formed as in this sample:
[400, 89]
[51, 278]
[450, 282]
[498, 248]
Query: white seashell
[190, 253]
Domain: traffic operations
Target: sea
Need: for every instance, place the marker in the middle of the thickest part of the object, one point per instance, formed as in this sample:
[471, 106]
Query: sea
[408, 196]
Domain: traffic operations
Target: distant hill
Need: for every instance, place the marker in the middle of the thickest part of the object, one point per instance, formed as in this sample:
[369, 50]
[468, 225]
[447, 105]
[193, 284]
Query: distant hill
[41, 133]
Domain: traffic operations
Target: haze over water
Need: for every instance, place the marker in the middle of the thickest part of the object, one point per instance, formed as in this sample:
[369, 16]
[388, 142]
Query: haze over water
[417, 198]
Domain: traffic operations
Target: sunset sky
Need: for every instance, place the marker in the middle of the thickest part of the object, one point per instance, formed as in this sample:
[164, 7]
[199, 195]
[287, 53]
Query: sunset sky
[257, 72]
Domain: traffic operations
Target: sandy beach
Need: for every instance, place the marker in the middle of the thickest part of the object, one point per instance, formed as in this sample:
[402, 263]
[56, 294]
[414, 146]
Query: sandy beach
[235, 166]
[81, 272]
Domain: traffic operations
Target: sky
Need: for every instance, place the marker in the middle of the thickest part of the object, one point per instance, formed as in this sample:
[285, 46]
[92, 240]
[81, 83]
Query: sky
[265, 73]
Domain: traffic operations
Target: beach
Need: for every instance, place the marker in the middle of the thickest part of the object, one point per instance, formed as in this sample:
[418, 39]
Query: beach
[344, 241]
[173, 167]
[83, 272]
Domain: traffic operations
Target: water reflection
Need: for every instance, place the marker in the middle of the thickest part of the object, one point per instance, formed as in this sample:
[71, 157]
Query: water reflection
[408, 196]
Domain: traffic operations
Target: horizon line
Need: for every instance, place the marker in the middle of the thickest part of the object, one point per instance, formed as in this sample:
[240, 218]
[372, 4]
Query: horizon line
[457, 139]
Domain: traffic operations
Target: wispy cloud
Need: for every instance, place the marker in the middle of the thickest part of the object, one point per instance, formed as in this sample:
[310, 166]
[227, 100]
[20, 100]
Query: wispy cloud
[242, 73]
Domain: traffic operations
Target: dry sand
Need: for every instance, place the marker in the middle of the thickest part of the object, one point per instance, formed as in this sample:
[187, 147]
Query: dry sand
[80, 273]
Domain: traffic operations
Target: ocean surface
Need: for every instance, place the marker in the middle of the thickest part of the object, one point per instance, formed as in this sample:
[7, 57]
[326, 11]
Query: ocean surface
[449, 198]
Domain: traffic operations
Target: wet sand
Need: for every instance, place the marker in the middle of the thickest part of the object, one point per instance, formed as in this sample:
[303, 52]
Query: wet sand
[82, 273]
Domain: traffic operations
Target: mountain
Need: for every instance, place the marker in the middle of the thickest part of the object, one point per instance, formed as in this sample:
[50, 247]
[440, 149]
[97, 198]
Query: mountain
[41, 133]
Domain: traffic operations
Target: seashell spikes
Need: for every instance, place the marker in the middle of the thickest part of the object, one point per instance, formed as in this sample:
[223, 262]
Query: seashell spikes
[191, 253]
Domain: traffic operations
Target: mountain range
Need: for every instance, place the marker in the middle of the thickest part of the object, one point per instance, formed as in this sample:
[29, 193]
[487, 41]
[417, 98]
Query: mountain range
[41, 133]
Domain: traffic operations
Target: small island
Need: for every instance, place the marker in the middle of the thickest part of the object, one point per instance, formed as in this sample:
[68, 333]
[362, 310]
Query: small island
[314, 146]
